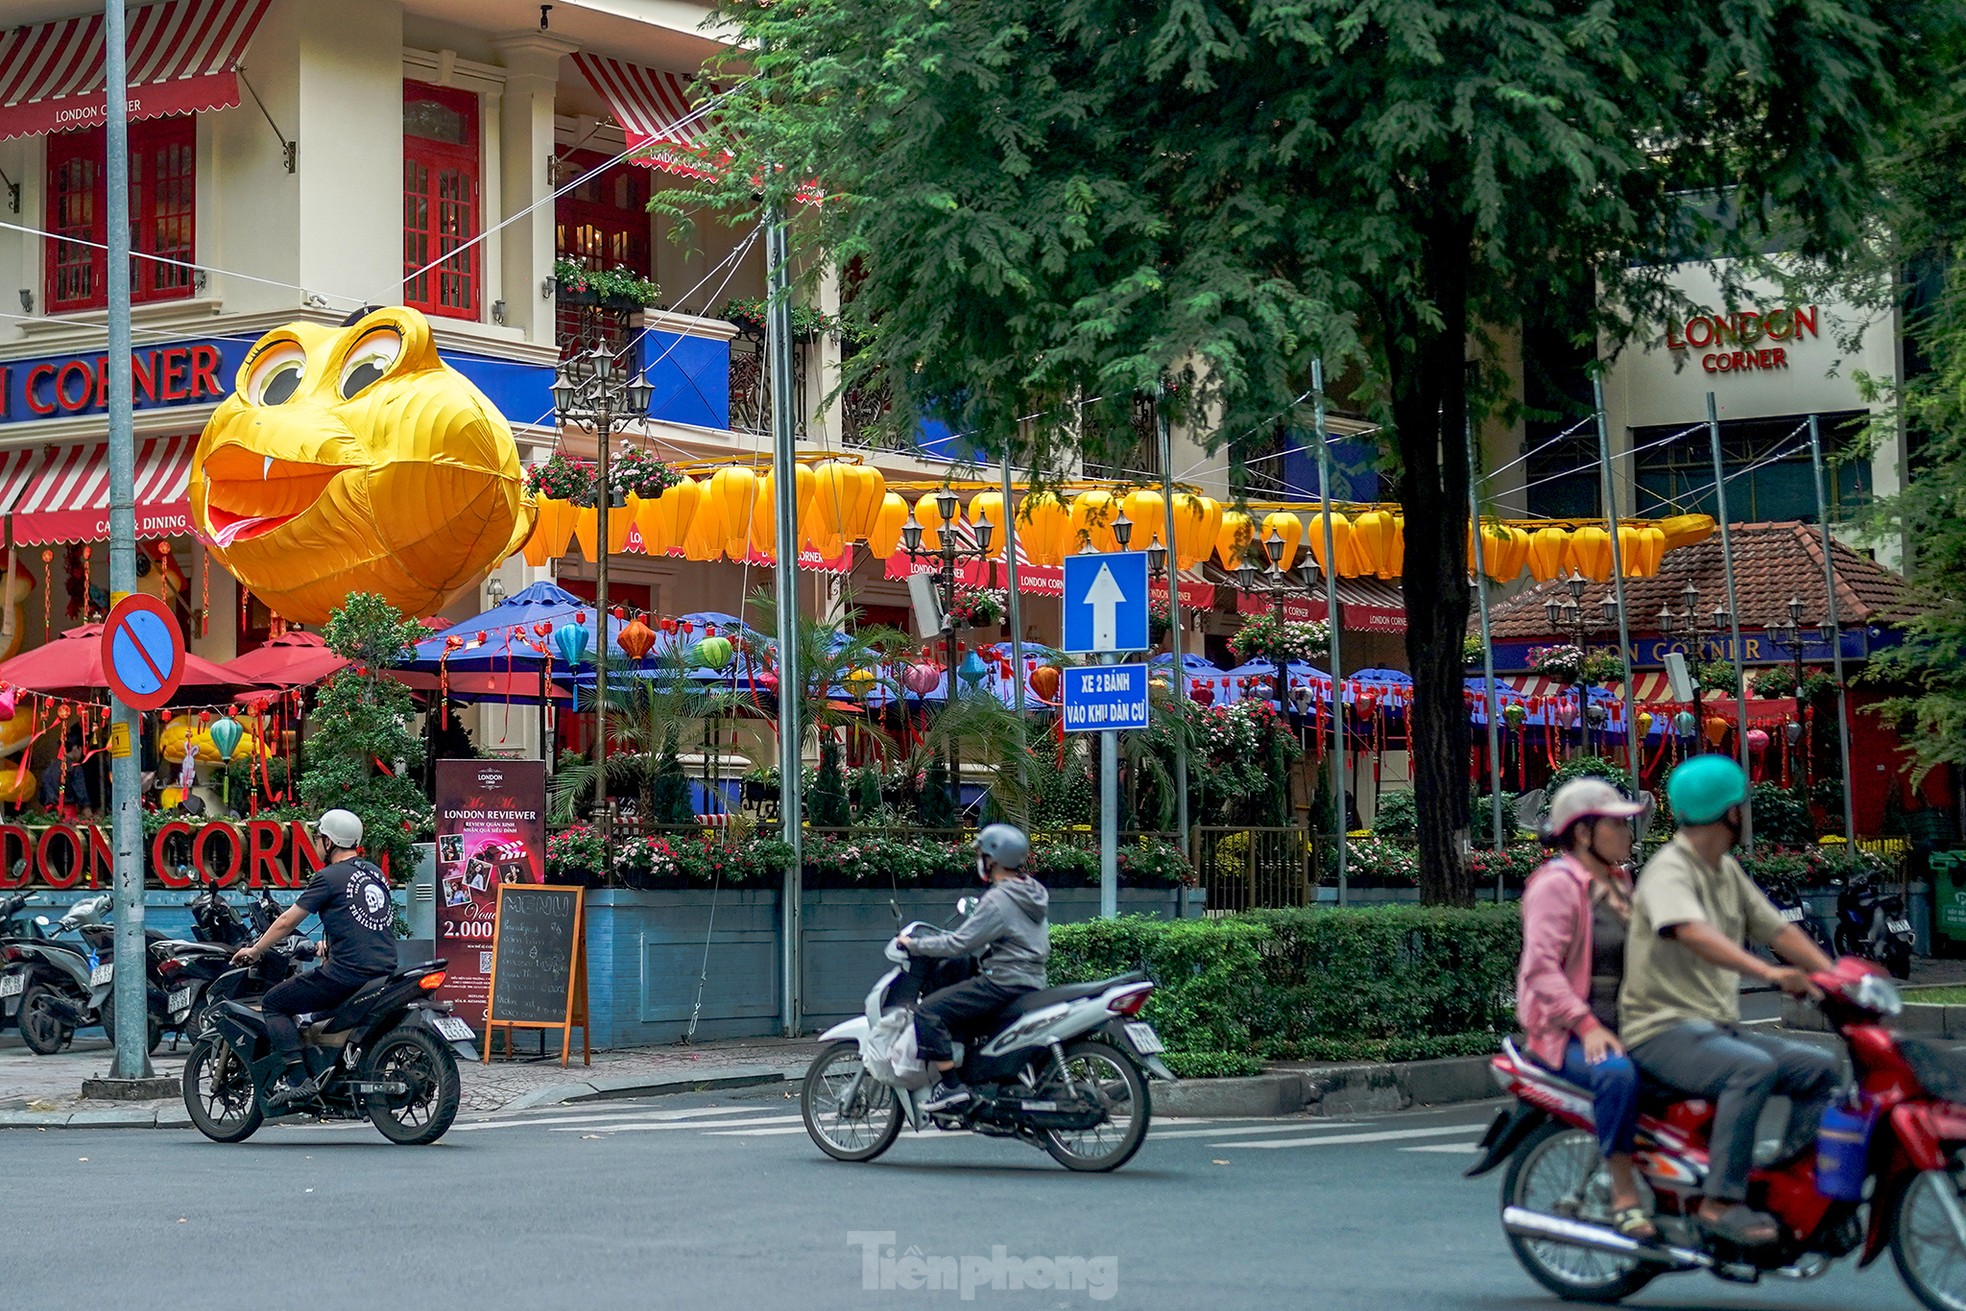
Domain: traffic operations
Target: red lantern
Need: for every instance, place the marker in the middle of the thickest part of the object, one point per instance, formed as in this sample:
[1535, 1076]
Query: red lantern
[709, 630]
[668, 625]
[1202, 694]
[165, 715]
[543, 628]
[636, 639]
[621, 612]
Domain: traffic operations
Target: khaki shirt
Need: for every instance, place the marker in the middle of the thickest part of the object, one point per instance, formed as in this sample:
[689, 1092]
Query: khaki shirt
[1665, 982]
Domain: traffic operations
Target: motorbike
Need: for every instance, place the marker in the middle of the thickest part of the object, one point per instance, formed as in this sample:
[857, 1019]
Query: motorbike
[388, 1053]
[186, 971]
[1888, 1170]
[1062, 1070]
[46, 983]
[1873, 924]
[1785, 892]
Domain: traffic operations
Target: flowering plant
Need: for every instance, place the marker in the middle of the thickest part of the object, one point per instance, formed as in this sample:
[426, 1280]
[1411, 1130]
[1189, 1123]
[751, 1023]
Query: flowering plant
[631, 472]
[979, 607]
[574, 855]
[561, 478]
[1264, 637]
[1563, 662]
[618, 283]
[634, 472]
[1160, 617]
[749, 316]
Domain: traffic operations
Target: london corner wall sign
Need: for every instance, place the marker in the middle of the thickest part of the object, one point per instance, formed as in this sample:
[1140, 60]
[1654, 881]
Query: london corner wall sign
[1734, 343]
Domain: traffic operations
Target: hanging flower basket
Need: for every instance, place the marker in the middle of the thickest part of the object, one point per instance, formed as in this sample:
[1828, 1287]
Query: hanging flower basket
[979, 607]
[1262, 637]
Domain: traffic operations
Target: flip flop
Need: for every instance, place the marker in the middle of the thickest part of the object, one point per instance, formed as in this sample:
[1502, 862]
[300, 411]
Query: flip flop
[1635, 1223]
[1743, 1226]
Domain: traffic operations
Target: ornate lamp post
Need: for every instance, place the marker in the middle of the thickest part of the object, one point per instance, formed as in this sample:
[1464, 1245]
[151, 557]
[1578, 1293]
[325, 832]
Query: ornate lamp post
[1788, 632]
[1686, 625]
[946, 554]
[594, 389]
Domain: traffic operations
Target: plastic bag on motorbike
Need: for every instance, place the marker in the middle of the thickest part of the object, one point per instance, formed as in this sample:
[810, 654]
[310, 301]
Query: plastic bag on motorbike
[889, 1051]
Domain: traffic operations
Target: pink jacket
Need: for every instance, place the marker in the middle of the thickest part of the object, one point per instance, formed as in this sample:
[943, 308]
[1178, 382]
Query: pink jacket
[1553, 983]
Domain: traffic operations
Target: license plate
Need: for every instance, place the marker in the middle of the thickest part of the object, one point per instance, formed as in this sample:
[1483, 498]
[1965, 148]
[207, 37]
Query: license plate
[102, 974]
[453, 1028]
[13, 985]
[1897, 926]
[1144, 1039]
[181, 1001]
[1793, 914]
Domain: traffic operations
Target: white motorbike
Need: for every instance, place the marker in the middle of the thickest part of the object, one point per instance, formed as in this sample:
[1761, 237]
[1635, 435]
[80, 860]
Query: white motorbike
[1064, 1069]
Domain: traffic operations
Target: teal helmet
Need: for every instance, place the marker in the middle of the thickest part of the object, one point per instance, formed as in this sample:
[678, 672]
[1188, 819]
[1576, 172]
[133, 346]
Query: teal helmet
[1705, 788]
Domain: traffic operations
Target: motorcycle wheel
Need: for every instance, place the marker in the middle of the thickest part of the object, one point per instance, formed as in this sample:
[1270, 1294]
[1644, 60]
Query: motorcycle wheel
[39, 1029]
[1931, 1258]
[857, 1133]
[219, 1094]
[1557, 1171]
[423, 1114]
[1897, 959]
[108, 1017]
[1847, 941]
[1112, 1142]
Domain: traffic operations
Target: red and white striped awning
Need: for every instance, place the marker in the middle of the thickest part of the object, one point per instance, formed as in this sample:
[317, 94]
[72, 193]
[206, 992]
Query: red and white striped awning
[654, 110]
[17, 468]
[68, 500]
[183, 57]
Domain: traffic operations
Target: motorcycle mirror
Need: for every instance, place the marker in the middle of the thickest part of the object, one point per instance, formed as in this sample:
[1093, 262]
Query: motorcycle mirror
[965, 904]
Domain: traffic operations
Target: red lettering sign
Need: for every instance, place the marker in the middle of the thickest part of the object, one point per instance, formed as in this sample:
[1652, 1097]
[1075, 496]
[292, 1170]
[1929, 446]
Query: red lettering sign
[200, 843]
[263, 838]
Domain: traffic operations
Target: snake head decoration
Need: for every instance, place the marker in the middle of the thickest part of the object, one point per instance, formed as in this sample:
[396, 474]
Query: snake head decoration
[356, 460]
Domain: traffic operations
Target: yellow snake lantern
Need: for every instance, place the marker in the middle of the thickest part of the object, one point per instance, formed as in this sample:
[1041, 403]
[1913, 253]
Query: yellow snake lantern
[355, 460]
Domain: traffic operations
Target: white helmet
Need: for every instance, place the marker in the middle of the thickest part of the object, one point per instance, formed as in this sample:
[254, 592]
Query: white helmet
[341, 827]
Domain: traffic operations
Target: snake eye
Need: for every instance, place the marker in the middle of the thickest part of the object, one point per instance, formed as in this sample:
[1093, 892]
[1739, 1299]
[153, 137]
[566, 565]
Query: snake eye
[368, 362]
[276, 374]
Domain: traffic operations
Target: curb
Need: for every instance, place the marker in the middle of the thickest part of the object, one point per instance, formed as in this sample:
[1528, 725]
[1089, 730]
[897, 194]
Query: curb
[642, 1085]
[1331, 1090]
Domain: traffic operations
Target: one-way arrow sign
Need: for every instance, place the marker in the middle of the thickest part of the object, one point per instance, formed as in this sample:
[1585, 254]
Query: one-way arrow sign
[1106, 603]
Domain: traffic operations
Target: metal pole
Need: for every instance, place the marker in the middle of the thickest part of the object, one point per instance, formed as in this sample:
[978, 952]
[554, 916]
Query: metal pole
[1634, 749]
[1015, 611]
[1836, 627]
[1487, 663]
[1332, 613]
[1180, 679]
[603, 499]
[791, 679]
[1733, 616]
[1109, 819]
[133, 1034]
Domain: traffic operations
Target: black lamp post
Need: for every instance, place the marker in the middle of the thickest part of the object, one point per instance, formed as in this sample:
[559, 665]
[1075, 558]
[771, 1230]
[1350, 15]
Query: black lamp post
[1788, 632]
[947, 554]
[1687, 626]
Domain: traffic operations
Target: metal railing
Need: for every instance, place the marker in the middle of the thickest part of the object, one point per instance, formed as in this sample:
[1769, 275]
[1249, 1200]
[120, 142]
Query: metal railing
[1253, 868]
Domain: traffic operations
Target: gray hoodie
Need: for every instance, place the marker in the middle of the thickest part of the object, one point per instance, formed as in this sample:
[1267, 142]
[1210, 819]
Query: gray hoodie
[1007, 929]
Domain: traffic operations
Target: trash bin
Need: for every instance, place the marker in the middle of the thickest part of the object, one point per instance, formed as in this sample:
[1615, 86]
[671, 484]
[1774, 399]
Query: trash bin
[1949, 894]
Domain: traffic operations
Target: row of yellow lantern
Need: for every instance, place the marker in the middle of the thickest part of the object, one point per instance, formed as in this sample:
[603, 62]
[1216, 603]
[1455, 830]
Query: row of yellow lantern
[1552, 552]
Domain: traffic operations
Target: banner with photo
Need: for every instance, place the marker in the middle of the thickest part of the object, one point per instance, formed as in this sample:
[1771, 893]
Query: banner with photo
[491, 829]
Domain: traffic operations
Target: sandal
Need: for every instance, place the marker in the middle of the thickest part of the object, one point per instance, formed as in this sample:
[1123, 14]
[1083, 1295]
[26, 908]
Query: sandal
[1743, 1226]
[1635, 1223]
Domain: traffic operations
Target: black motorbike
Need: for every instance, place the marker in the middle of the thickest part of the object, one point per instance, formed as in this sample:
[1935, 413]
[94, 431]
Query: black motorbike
[1872, 923]
[388, 1053]
[1785, 892]
[187, 970]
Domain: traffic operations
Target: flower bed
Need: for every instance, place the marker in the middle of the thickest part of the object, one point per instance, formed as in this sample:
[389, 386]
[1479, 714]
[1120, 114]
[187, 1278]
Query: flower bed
[1377, 862]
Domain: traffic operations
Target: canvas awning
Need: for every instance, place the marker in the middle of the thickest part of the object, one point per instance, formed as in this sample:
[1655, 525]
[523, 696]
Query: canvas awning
[653, 108]
[183, 57]
[68, 497]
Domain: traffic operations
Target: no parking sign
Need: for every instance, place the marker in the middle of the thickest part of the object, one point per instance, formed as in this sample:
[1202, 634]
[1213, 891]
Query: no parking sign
[142, 652]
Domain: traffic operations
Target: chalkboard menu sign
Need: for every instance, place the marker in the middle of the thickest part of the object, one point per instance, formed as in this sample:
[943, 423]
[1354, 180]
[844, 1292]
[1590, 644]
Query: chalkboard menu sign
[539, 964]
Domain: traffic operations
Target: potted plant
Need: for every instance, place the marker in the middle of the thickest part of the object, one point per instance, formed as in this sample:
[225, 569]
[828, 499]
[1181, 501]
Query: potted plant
[1160, 620]
[979, 607]
[619, 288]
[749, 318]
[1264, 637]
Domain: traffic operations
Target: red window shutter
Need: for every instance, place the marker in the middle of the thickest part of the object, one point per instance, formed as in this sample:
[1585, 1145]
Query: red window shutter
[163, 206]
[440, 200]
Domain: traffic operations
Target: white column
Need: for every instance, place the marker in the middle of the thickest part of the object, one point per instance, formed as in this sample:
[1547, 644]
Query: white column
[532, 62]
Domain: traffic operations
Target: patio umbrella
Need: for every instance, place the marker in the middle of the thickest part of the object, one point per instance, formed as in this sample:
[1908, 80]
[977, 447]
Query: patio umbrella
[472, 687]
[72, 664]
[293, 659]
[500, 640]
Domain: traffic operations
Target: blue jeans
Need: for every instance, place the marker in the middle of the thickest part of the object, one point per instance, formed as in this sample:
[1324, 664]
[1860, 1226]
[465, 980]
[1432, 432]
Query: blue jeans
[1613, 1084]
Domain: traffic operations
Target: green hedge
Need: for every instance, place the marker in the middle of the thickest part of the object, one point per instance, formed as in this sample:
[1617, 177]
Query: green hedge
[1385, 983]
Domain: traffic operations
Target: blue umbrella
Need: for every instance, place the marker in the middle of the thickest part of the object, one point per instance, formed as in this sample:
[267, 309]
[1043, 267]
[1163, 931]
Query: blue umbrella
[508, 635]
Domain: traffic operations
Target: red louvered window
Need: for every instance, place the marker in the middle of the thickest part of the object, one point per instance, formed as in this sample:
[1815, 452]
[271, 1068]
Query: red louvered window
[163, 206]
[440, 200]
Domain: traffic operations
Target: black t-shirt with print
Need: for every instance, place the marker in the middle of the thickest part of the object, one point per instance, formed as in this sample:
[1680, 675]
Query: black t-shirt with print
[358, 919]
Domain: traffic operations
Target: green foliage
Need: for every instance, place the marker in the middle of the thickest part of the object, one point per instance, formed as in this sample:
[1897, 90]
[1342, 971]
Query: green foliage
[934, 807]
[618, 283]
[1395, 817]
[1387, 983]
[749, 316]
[1590, 767]
[1782, 817]
[361, 754]
[1213, 1065]
[827, 806]
[868, 808]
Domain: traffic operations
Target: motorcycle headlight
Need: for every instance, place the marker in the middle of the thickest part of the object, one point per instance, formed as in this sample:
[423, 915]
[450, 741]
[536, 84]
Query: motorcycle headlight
[1875, 993]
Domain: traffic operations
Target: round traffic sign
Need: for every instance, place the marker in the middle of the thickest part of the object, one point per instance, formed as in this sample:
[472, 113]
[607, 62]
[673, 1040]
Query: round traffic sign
[142, 652]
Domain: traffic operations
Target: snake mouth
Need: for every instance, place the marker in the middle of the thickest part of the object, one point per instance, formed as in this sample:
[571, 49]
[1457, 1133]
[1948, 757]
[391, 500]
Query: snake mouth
[248, 494]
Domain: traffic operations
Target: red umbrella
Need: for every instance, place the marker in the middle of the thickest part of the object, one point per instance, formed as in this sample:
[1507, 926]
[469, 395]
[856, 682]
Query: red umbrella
[293, 659]
[72, 663]
[483, 687]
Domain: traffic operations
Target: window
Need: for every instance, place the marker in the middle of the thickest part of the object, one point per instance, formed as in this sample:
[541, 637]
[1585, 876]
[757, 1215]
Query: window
[603, 223]
[163, 170]
[440, 200]
[1769, 478]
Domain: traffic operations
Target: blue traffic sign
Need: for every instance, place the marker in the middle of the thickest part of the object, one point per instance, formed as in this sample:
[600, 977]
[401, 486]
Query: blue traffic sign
[1106, 603]
[1101, 698]
[142, 652]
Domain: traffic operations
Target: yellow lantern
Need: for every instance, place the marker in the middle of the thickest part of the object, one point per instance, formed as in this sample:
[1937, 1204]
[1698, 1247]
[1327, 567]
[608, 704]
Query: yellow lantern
[761, 541]
[1290, 528]
[1547, 549]
[587, 531]
[1233, 538]
[1394, 565]
[1148, 511]
[884, 537]
[1497, 550]
[555, 525]
[733, 493]
[1341, 541]
[535, 548]
[1652, 549]
[870, 493]
[834, 489]
[928, 513]
[665, 519]
[987, 507]
[1092, 522]
[1686, 530]
[1192, 536]
[704, 539]
[1372, 535]
[1044, 526]
[1590, 553]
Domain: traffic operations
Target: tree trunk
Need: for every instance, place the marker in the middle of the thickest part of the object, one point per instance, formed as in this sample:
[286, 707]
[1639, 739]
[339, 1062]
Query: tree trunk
[1429, 380]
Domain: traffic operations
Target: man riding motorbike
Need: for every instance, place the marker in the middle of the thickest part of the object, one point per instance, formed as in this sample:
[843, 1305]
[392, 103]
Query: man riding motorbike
[358, 942]
[1680, 1005]
[1008, 934]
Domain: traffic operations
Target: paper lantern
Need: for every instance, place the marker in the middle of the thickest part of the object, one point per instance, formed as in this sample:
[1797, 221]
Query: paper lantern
[1716, 729]
[704, 539]
[859, 682]
[1684, 723]
[636, 638]
[1341, 540]
[1092, 522]
[1196, 519]
[587, 531]
[8, 706]
[733, 496]
[866, 504]
[570, 640]
[1148, 511]
[1644, 723]
[834, 488]
[1515, 714]
[1044, 682]
[356, 460]
[1686, 530]
[987, 507]
[1652, 549]
[761, 538]
[1372, 535]
[1792, 731]
[664, 520]
[884, 537]
[971, 670]
[1233, 539]
[1395, 566]
[1202, 694]
[225, 734]
[1497, 549]
[928, 513]
[1547, 549]
[921, 677]
[714, 653]
[1044, 528]
[1757, 739]
[1590, 553]
[1287, 526]
[1366, 705]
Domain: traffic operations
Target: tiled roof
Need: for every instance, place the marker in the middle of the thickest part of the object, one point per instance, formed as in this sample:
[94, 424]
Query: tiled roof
[1772, 562]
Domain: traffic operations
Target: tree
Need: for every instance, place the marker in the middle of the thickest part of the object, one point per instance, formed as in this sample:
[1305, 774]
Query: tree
[1047, 207]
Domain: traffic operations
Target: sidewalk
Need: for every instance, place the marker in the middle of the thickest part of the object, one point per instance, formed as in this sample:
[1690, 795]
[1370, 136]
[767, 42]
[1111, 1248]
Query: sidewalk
[45, 1091]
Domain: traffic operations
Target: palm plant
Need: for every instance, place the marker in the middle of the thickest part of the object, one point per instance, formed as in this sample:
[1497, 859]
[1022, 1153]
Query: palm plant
[648, 715]
[828, 652]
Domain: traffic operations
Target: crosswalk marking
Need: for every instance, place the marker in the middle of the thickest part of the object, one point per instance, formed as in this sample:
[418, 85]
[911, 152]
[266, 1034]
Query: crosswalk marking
[634, 1126]
[591, 1118]
[1383, 1136]
[1157, 1133]
[1446, 1149]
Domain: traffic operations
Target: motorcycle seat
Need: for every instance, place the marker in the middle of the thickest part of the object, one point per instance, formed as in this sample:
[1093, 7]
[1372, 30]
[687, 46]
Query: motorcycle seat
[349, 1013]
[1043, 997]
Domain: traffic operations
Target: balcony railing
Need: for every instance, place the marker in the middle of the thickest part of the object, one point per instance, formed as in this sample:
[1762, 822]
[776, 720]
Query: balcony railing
[750, 384]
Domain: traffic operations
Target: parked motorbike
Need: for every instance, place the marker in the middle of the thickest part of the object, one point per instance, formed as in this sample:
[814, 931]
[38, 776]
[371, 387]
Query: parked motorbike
[1063, 1070]
[186, 971]
[46, 983]
[1785, 892]
[1888, 1170]
[1872, 923]
[388, 1053]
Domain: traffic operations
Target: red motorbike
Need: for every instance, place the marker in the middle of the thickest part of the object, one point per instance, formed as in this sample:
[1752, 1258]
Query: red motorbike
[1888, 1170]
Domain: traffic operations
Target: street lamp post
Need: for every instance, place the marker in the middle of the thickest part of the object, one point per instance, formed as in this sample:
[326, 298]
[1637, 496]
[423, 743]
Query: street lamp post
[947, 555]
[594, 388]
[1569, 617]
[1687, 626]
[1788, 633]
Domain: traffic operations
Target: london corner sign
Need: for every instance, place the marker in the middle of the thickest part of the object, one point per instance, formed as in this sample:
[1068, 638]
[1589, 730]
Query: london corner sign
[256, 853]
[1746, 341]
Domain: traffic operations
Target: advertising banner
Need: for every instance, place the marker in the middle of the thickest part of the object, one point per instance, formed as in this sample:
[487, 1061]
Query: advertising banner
[491, 829]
